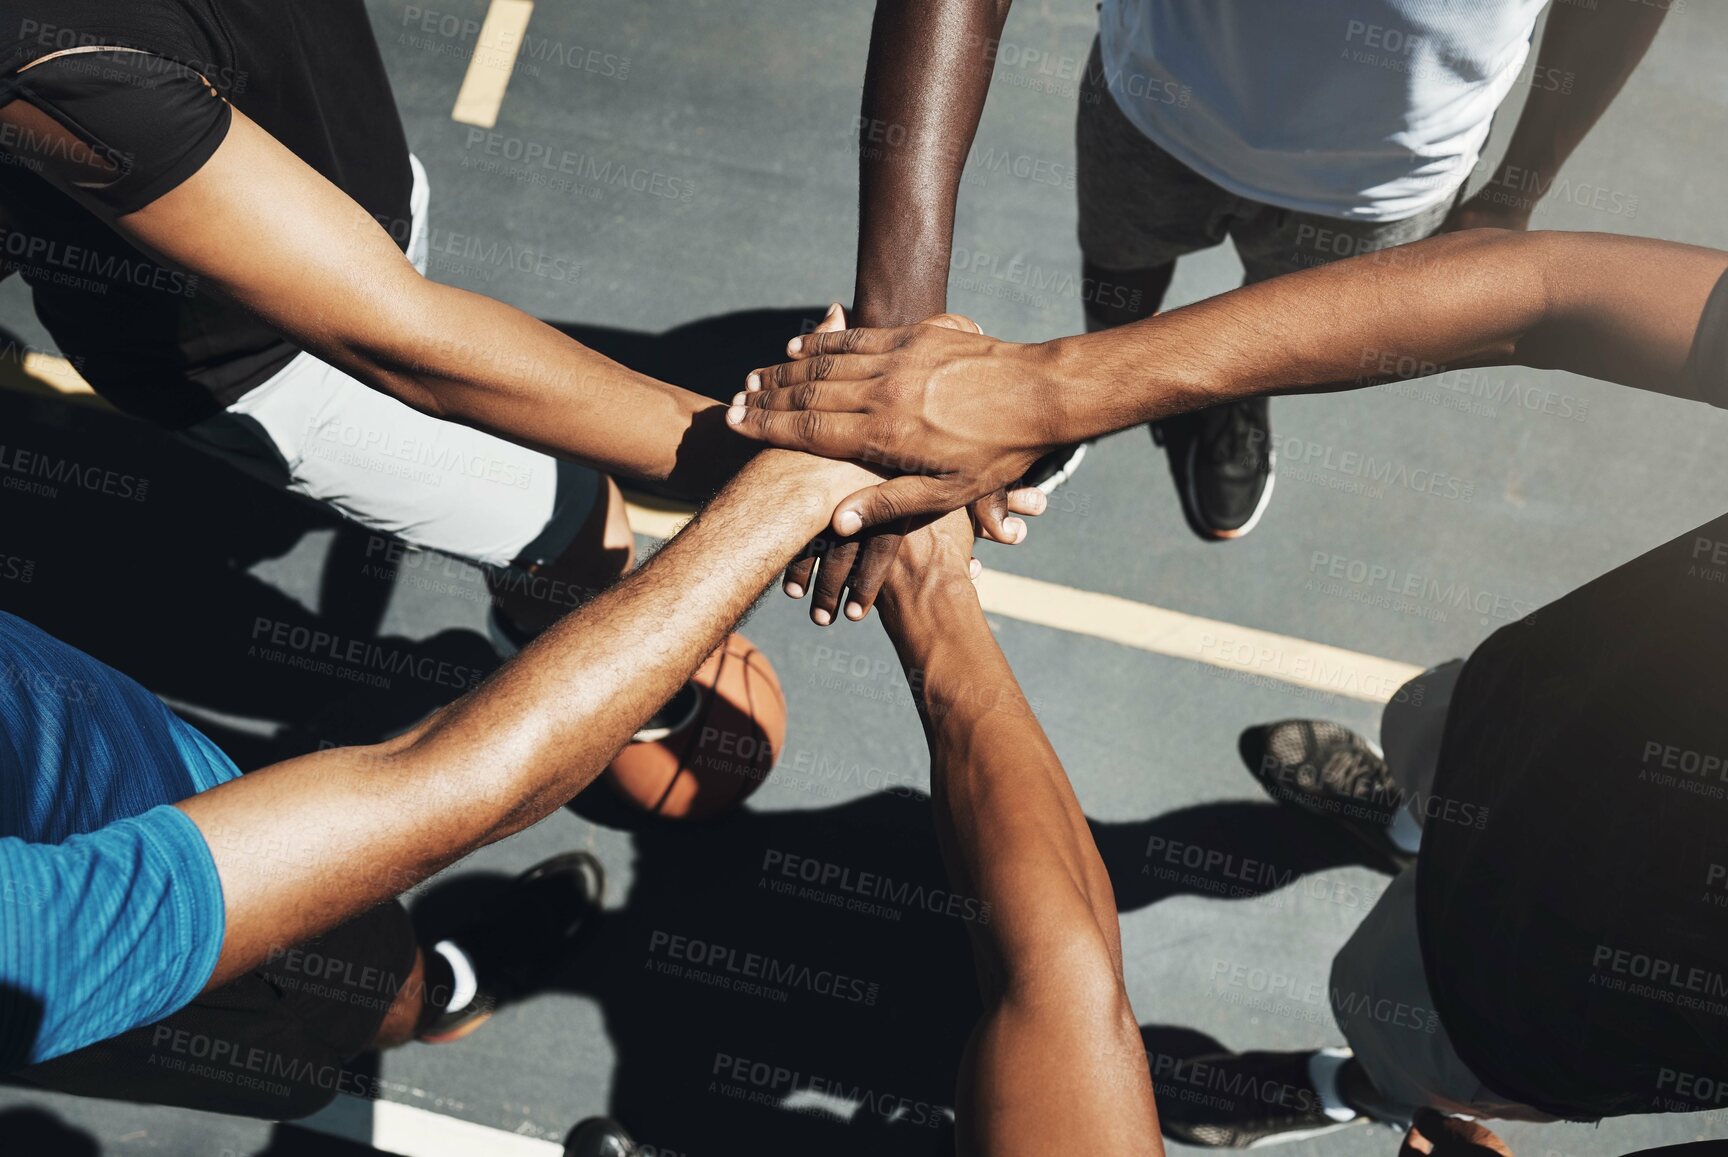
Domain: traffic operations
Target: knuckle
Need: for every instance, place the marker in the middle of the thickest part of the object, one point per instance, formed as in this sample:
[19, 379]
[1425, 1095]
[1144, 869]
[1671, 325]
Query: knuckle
[821, 366]
[807, 424]
[848, 340]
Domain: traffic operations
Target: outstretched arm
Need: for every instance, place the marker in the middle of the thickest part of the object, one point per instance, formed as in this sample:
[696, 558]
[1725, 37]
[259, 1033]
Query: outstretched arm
[303, 845]
[263, 228]
[1056, 1063]
[924, 90]
[1620, 308]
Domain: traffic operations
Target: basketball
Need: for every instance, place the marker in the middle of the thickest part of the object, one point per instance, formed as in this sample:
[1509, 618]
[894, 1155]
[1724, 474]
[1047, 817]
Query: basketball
[717, 745]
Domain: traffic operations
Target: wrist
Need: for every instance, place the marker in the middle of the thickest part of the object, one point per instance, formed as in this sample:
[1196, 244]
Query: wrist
[923, 611]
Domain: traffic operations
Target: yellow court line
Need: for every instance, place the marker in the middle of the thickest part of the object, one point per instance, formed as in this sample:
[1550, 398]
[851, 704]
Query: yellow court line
[1241, 653]
[493, 62]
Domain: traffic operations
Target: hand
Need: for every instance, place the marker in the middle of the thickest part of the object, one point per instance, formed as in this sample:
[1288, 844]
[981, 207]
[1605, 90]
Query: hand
[856, 567]
[1503, 203]
[1436, 1135]
[960, 415]
[934, 562]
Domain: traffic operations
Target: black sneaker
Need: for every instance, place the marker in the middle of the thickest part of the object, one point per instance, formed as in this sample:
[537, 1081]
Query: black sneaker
[599, 1137]
[1329, 770]
[1223, 461]
[1243, 1101]
[1054, 468]
[526, 938]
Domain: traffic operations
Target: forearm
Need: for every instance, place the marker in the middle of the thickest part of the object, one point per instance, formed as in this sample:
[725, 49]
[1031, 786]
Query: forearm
[1011, 830]
[1619, 308]
[1587, 52]
[478, 361]
[351, 828]
[924, 90]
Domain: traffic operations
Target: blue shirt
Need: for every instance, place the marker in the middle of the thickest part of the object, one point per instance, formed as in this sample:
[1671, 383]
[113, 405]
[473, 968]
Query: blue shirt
[111, 911]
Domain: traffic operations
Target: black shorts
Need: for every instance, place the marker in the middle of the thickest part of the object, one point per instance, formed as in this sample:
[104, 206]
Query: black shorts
[269, 1044]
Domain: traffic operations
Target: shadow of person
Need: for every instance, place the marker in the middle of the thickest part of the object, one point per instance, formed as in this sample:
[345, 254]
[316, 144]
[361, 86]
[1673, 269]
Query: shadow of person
[31, 1130]
[801, 981]
[140, 551]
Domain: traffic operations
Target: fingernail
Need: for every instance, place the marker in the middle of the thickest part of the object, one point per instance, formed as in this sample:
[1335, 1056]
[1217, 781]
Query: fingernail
[738, 399]
[854, 611]
[1041, 503]
[735, 414]
[848, 522]
[974, 568]
[833, 308]
[1016, 530]
[823, 618]
[794, 345]
[794, 590]
[753, 383]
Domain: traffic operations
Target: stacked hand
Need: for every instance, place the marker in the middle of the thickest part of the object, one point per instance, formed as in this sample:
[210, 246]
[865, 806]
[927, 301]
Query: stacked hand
[1435, 1135]
[924, 401]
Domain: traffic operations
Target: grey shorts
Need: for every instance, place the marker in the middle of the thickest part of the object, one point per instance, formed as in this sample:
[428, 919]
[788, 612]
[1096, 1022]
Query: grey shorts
[1141, 208]
[1379, 984]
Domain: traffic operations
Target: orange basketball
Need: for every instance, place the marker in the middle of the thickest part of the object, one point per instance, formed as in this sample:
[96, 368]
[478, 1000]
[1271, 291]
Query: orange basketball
[720, 744]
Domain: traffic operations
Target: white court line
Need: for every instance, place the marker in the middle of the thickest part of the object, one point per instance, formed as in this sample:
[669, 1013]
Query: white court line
[410, 1131]
[1243, 653]
[493, 62]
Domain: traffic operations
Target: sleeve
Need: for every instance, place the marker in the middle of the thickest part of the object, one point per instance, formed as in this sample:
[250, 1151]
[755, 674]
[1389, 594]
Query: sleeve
[103, 933]
[1707, 365]
[153, 120]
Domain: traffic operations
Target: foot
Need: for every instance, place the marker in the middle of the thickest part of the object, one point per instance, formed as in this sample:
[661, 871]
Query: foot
[1245, 1101]
[1054, 468]
[599, 1137]
[1329, 770]
[526, 939]
[1223, 460]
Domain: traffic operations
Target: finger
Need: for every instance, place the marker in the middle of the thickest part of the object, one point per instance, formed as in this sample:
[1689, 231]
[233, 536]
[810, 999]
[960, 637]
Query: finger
[974, 568]
[957, 321]
[848, 341]
[796, 581]
[828, 435]
[903, 497]
[989, 515]
[1028, 500]
[831, 582]
[834, 319]
[875, 558]
[846, 374]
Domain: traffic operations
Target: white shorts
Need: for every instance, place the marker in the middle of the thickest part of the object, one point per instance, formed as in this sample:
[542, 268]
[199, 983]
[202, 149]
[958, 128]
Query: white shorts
[387, 466]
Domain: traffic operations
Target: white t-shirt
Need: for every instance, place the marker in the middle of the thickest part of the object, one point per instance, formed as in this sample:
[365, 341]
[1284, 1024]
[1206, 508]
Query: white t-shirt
[1371, 110]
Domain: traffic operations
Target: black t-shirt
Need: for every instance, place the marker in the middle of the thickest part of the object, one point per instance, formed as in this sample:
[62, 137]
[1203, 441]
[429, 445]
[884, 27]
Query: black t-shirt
[1576, 940]
[148, 337]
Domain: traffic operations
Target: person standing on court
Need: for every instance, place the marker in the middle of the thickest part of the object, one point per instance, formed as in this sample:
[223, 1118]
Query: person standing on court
[1554, 941]
[1302, 132]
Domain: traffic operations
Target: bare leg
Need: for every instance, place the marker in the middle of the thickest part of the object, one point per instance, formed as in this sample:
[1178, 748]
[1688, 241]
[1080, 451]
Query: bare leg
[602, 551]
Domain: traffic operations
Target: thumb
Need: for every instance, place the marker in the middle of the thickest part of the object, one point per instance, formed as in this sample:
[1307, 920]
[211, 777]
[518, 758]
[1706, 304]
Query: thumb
[902, 497]
[834, 319]
[957, 321]
[991, 513]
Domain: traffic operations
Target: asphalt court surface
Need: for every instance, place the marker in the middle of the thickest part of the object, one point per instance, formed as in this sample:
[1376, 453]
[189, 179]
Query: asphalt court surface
[701, 203]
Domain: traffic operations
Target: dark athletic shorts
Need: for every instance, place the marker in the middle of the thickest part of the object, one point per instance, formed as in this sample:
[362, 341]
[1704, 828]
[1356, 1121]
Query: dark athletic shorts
[270, 1044]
